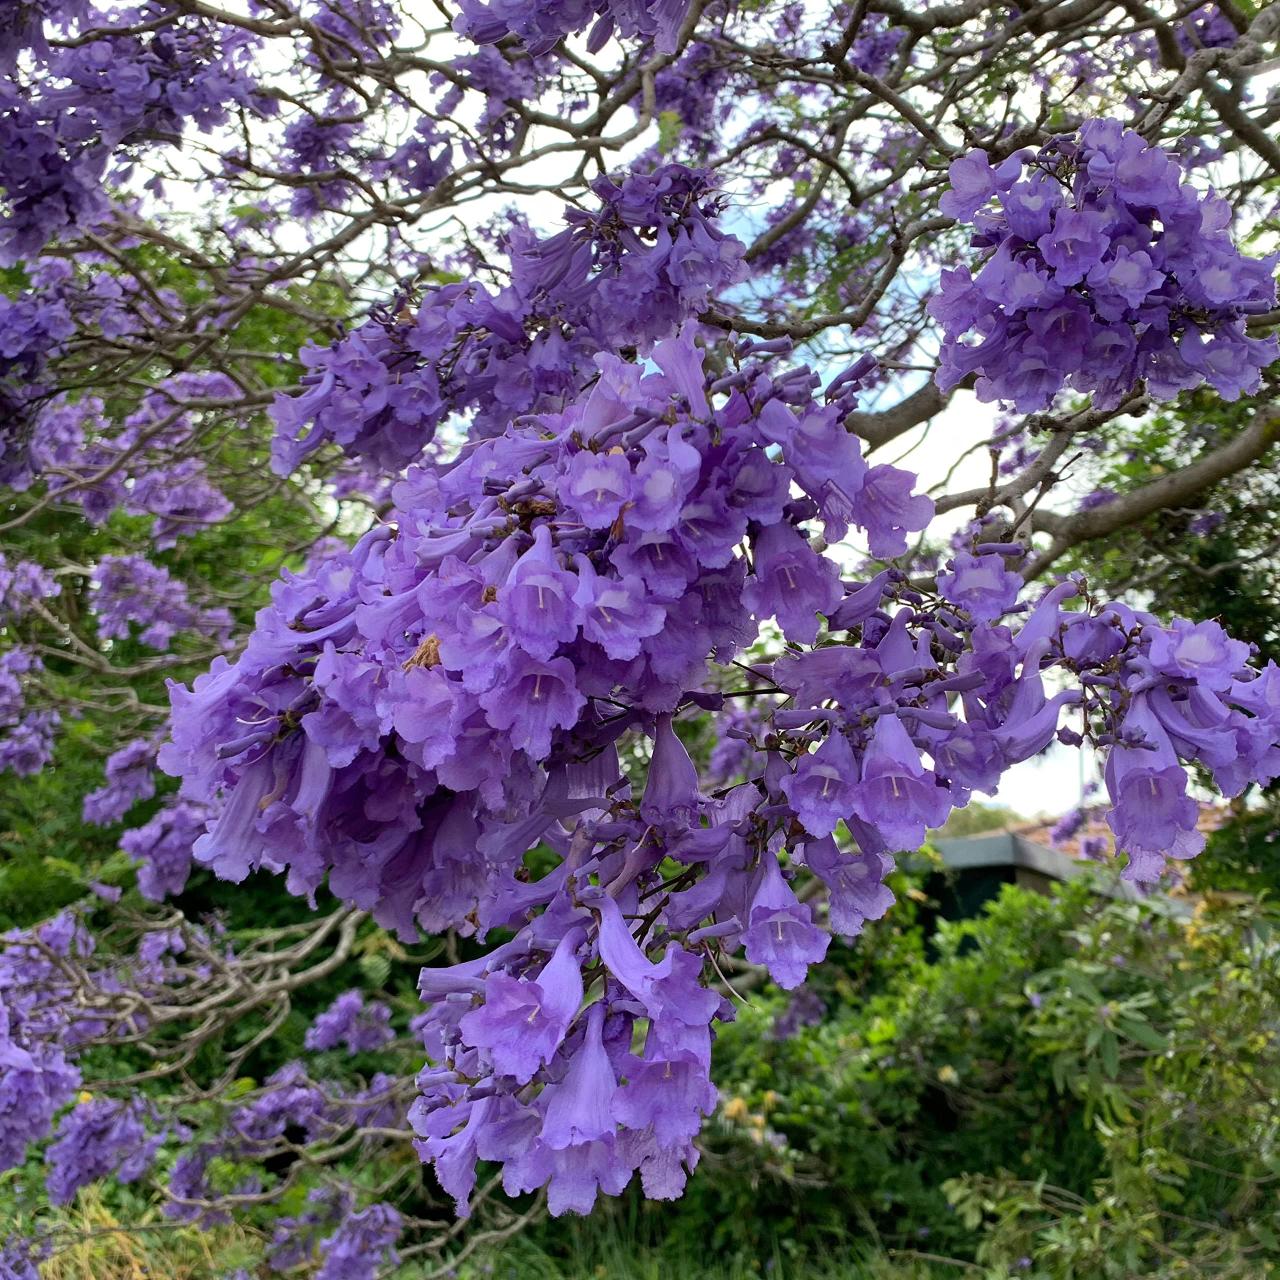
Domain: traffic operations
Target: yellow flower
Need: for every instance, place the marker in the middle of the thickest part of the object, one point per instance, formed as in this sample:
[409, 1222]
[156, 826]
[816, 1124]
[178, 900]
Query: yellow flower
[736, 1109]
[948, 1074]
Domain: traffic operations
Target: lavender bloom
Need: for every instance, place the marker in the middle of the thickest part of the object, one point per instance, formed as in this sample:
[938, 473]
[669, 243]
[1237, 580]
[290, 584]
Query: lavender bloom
[982, 585]
[579, 1109]
[1200, 651]
[897, 795]
[671, 788]
[164, 845]
[537, 601]
[36, 1081]
[792, 583]
[95, 1138]
[665, 1096]
[539, 698]
[855, 881]
[1137, 302]
[522, 1022]
[132, 590]
[130, 778]
[362, 1244]
[804, 1009]
[1153, 817]
[781, 934]
[598, 486]
[351, 1022]
[821, 790]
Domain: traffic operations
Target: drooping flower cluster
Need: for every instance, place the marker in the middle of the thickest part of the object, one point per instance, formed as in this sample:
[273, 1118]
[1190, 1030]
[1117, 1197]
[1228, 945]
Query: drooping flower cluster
[98, 1137]
[353, 1243]
[626, 274]
[541, 24]
[1102, 269]
[24, 584]
[409, 720]
[36, 1077]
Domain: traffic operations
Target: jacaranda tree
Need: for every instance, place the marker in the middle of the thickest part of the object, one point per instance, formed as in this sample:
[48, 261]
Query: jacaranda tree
[549, 360]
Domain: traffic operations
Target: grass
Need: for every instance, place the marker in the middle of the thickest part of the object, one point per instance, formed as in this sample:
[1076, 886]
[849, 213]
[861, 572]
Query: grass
[612, 1259]
[150, 1249]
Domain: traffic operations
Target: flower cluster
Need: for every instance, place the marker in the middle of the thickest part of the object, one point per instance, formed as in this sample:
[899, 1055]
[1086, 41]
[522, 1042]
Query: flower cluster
[1102, 270]
[26, 735]
[97, 1137]
[23, 585]
[130, 778]
[36, 1078]
[625, 274]
[131, 590]
[60, 134]
[411, 718]
[162, 846]
[541, 24]
[349, 1021]
[1207, 28]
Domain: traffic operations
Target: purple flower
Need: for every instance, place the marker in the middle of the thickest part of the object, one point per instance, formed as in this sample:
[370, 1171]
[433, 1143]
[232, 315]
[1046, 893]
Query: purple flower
[669, 990]
[598, 486]
[1153, 817]
[1075, 245]
[1199, 651]
[821, 789]
[973, 182]
[537, 601]
[780, 933]
[1128, 275]
[536, 699]
[97, 1137]
[982, 585]
[130, 778]
[792, 583]
[671, 788]
[616, 614]
[888, 508]
[361, 1245]
[522, 1021]
[855, 883]
[351, 1022]
[666, 1095]
[580, 1107]
[897, 795]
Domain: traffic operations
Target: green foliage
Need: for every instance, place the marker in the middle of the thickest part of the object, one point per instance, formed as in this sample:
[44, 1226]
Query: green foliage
[916, 1075]
[977, 817]
[1163, 1031]
[1244, 855]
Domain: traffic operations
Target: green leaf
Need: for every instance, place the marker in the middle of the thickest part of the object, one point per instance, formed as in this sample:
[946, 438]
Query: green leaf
[670, 127]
